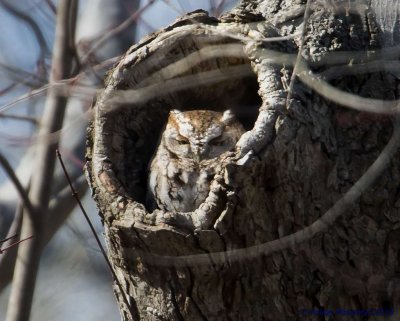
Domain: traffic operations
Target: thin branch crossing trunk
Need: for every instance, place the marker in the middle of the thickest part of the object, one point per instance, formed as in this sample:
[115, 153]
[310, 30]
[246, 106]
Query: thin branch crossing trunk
[304, 215]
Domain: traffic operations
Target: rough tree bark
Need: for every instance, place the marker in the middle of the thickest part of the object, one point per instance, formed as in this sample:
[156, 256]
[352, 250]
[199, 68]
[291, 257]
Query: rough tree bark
[300, 159]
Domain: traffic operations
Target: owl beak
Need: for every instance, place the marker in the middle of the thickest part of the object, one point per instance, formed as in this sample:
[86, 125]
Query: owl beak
[198, 151]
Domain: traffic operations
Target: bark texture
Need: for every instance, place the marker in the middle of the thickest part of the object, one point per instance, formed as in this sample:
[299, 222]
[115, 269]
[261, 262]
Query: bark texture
[300, 155]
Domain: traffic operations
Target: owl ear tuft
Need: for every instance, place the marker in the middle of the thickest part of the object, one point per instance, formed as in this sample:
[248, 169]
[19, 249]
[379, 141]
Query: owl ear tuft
[175, 112]
[228, 117]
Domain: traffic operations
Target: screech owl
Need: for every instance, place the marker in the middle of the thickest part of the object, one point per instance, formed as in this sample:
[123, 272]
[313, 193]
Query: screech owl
[187, 157]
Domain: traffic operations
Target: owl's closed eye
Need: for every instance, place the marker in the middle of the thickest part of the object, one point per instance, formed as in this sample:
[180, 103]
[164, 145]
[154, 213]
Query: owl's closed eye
[190, 146]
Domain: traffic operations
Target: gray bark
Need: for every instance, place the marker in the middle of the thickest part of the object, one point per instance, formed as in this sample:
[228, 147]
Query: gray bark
[297, 221]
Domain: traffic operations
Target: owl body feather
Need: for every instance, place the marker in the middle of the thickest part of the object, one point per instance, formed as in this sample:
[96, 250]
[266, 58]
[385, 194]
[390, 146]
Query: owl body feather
[187, 157]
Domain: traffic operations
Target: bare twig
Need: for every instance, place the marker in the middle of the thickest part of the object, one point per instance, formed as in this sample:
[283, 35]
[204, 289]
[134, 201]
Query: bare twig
[183, 65]
[128, 22]
[217, 9]
[132, 309]
[177, 8]
[307, 13]
[146, 24]
[7, 261]
[2, 250]
[20, 189]
[338, 96]
[40, 91]
[8, 88]
[212, 5]
[167, 86]
[141, 94]
[23, 77]
[8, 238]
[28, 20]
[290, 241]
[389, 66]
[343, 98]
[30, 119]
[51, 6]
[246, 39]
[65, 87]
[60, 207]
[24, 279]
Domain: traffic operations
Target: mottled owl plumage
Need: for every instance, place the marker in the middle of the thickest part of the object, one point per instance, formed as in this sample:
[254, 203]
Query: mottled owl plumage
[187, 157]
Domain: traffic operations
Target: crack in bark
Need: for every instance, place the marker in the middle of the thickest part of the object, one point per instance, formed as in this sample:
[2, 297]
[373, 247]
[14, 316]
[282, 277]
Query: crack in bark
[174, 302]
[191, 288]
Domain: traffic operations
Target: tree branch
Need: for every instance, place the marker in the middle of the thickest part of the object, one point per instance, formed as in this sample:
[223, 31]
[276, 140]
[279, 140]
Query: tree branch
[59, 209]
[21, 190]
[28, 20]
[290, 241]
[26, 268]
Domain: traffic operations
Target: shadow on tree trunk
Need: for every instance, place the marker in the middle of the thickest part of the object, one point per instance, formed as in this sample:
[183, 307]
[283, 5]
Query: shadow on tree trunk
[301, 153]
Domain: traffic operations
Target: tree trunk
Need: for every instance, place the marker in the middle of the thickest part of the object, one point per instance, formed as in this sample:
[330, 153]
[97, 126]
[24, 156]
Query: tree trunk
[297, 225]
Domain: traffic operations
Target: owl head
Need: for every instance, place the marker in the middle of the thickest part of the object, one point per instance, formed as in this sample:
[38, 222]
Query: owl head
[201, 134]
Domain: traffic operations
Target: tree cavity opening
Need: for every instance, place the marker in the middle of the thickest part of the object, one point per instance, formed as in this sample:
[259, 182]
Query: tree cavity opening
[185, 68]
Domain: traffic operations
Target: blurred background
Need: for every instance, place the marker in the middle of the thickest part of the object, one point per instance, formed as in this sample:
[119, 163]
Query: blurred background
[73, 282]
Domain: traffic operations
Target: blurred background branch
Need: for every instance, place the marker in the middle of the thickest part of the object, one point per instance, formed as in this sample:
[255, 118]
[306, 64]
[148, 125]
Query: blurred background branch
[26, 57]
[27, 265]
